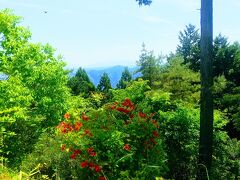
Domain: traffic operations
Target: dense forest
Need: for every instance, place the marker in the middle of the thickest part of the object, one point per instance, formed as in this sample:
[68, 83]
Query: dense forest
[56, 126]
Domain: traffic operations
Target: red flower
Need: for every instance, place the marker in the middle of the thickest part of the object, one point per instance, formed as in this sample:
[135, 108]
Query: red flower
[127, 147]
[77, 151]
[67, 116]
[64, 127]
[93, 154]
[85, 118]
[91, 165]
[120, 109]
[102, 178]
[73, 156]
[63, 147]
[155, 134]
[131, 116]
[78, 125]
[97, 168]
[91, 151]
[87, 132]
[142, 115]
[126, 102]
[69, 127]
[113, 107]
[84, 164]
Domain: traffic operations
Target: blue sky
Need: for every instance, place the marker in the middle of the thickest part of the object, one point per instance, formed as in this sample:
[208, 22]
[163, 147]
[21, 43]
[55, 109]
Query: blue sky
[97, 33]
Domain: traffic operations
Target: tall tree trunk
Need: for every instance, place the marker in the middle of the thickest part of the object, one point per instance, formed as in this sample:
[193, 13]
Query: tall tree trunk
[206, 109]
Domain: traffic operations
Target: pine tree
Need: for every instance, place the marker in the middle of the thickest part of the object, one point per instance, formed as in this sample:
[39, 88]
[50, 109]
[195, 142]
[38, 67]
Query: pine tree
[149, 66]
[189, 47]
[104, 83]
[125, 78]
[81, 84]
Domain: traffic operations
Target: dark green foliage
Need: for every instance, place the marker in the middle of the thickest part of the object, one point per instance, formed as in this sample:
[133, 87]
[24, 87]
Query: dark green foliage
[81, 84]
[181, 133]
[125, 78]
[189, 47]
[226, 63]
[222, 56]
[144, 2]
[234, 67]
[104, 84]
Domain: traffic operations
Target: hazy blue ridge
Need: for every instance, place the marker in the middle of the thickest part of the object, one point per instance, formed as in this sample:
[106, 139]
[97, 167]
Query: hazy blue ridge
[113, 72]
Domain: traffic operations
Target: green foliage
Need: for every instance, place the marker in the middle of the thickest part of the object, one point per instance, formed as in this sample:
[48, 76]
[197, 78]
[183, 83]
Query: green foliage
[135, 91]
[189, 47]
[125, 78]
[107, 142]
[226, 159]
[81, 84]
[177, 79]
[149, 66]
[181, 133]
[34, 86]
[104, 83]
[144, 2]
[226, 63]
[155, 134]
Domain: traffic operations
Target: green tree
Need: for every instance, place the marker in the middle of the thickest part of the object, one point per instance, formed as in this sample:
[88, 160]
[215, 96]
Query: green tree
[182, 82]
[144, 2]
[149, 66]
[104, 83]
[38, 78]
[125, 78]
[189, 47]
[81, 84]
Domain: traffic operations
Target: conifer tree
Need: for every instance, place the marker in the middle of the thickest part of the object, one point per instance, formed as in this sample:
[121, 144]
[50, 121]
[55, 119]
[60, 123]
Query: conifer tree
[80, 83]
[189, 47]
[104, 83]
[149, 66]
[125, 78]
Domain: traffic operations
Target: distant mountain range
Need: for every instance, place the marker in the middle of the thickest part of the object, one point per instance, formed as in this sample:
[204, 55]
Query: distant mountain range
[114, 73]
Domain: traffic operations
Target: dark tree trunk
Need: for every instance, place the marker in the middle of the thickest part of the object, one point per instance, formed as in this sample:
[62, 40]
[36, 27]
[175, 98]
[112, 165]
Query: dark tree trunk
[206, 109]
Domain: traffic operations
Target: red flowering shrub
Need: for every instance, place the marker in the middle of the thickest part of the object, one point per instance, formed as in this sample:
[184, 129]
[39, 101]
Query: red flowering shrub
[67, 116]
[127, 147]
[111, 141]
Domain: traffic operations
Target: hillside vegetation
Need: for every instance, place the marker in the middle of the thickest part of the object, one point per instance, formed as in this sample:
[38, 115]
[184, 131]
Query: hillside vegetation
[56, 126]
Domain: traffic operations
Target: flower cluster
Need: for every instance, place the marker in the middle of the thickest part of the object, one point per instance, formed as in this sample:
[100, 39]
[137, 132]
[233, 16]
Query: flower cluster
[91, 165]
[140, 134]
[127, 106]
[127, 147]
[65, 127]
[75, 153]
[87, 132]
[84, 117]
[91, 152]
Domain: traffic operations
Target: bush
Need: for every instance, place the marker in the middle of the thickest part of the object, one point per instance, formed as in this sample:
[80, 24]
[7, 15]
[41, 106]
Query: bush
[115, 141]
